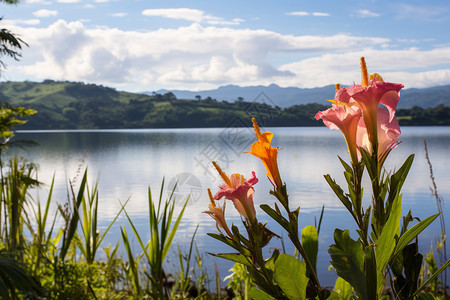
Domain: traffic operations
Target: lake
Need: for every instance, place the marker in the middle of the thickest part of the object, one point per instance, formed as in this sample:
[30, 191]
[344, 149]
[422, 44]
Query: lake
[127, 162]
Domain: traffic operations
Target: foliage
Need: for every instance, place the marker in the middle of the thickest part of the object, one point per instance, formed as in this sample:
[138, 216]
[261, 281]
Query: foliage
[10, 44]
[62, 264]
[162, 232]
[72, 105]
[9, 117]
[239, 281]
[13, 276]
[417, 116]
[386, 247]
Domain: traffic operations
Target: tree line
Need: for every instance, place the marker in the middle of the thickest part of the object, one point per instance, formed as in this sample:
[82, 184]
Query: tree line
[166, 111]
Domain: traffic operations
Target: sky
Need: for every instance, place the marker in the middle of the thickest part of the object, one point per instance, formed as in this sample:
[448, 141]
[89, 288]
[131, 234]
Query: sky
[138, 45]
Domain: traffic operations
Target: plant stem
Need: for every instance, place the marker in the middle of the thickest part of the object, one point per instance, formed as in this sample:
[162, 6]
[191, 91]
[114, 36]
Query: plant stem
[293, 235]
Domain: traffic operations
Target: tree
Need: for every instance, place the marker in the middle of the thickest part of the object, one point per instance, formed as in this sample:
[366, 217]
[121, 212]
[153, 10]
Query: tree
[10, 44]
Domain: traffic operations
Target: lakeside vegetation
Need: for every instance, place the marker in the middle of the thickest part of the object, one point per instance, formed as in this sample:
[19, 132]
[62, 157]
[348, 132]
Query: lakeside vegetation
[38, 260]
[72, 105]
[54, 254]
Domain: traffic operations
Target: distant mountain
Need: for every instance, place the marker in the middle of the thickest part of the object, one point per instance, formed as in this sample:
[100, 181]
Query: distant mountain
[286, 97]
[272, 94]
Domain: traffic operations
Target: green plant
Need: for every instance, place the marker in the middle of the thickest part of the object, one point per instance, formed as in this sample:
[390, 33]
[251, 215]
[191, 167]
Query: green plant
[42, 241]
[383, 249]
[191, 279]
[92, 238]
[239, 281]
[131, 267]
[14, 194]
[279, 276]
[14, 279]
[162, 232]
[441, 242]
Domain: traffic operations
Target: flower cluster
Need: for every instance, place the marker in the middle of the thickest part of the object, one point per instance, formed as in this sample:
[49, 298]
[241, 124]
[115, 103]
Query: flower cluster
[239, 190]
[365, 114]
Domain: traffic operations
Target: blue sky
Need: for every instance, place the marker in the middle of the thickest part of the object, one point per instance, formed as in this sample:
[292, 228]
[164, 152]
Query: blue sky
[139, 45]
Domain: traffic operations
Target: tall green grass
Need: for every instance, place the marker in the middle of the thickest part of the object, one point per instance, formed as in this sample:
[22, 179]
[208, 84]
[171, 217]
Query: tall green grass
[40, 259]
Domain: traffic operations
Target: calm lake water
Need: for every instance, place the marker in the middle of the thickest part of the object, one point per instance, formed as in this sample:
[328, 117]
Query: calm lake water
[127, 162]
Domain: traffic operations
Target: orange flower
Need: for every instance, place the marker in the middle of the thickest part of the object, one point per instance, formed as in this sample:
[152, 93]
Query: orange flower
[267, 154]
[218, 214]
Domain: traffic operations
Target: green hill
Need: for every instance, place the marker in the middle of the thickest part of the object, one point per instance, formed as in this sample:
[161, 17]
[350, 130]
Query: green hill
[74, 105]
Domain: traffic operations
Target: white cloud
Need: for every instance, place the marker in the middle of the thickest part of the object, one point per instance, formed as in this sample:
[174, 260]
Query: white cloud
[44, 13]
[298, 13]
[202, 57]
[320, 14]
[38, 2]
[102, 1]
[305, 13]
[119, 14]
[68, 1]
[412, 67]
[189, 14]
[364, 13]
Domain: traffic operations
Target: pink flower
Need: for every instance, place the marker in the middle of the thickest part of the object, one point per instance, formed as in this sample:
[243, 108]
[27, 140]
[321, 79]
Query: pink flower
[218, 214]
[368, 95]
[388, 132]
[239, 191]
[369, 98]
[365, 99]
[344, 118]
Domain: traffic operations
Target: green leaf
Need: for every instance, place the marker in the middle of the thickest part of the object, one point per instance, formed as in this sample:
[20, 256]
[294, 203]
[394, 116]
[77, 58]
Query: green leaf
[372, 275]
[270, 262]
[276, 216]
[347, 258]
[371, 164]
[339, 193]
[343, 288]
[346, 165]
[414, 231]
[399, 177]
[290, 275]
[236, 257]
[132, 262]
[169, 240]
[320, 220]
[433, 276]
[257, 294]
[329, 295]
[73, 224]
[310, 242]
[386, 243]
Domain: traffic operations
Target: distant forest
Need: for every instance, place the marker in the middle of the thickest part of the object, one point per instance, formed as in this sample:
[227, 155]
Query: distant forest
[69, 105]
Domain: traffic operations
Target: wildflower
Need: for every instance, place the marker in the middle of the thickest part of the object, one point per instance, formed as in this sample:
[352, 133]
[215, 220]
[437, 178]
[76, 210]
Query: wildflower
[372, 92]
[218, 214]
[268, 155]
[388, 132]
[346, 120]
[362, 102]
[239, 191]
